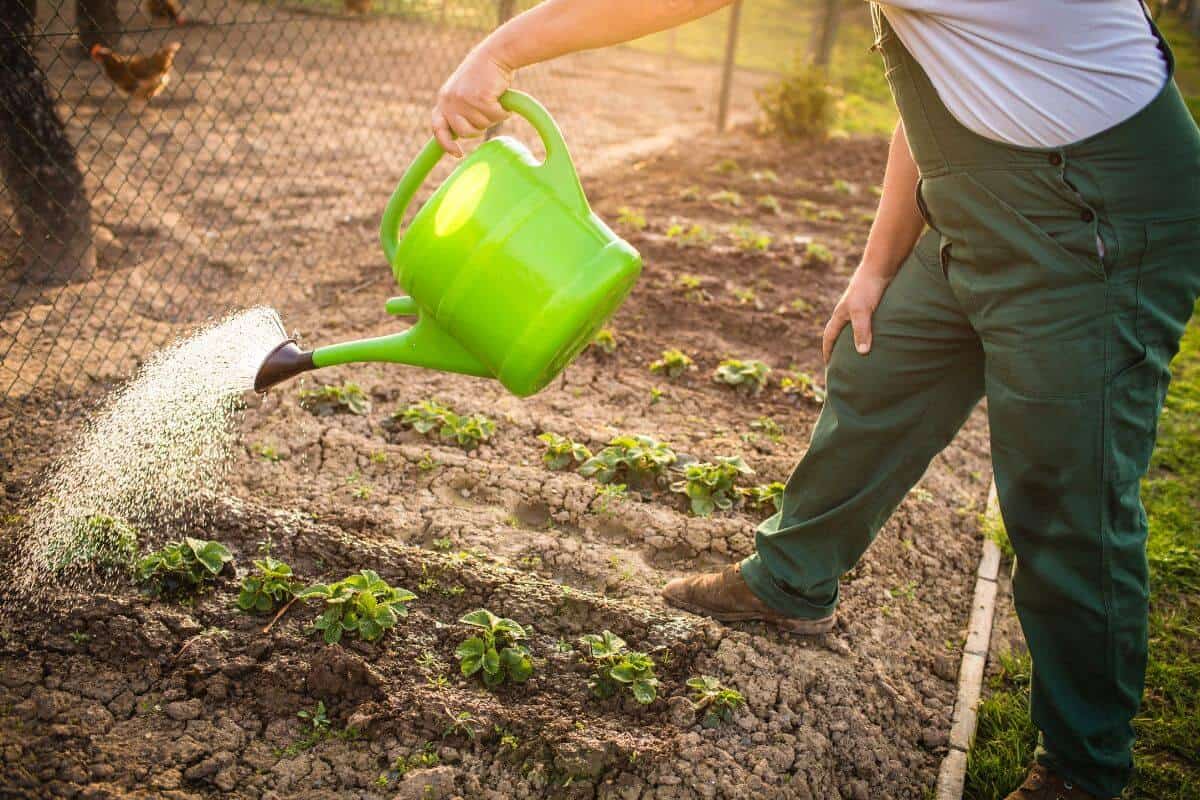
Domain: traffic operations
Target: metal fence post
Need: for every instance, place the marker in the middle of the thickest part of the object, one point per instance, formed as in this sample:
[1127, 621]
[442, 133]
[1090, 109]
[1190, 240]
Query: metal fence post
[735, 17]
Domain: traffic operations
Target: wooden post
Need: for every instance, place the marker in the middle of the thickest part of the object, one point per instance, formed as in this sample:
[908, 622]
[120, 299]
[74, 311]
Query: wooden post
[38, 161]
[735, 18]
[825, 34]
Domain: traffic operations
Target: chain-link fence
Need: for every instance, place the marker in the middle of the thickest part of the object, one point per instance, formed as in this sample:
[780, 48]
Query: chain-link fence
[123, 219]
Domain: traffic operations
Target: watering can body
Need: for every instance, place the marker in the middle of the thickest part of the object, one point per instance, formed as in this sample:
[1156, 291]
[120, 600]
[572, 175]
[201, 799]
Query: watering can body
[507, 269]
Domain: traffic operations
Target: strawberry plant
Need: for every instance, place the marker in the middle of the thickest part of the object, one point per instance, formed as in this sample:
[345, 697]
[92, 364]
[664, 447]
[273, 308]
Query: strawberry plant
[726, 197]
[181, 567]
[747, 238]
[605, 341]
[748, 377]
[769, 203]
[267, 587]
[725, 166]
[615, 666]
[692, 235]
[496, 651]
[768, 427]
[97, 540]
[801, 384]
[816, 253]
[347, 398]
[363, 604]
[561, 452]
[764, 176]
[710, 486]
[764, 494]
[631, 218]
[429, 415]
[639, 458]
[841, 186]
[672, 364]
[831, 215]
[715, 699]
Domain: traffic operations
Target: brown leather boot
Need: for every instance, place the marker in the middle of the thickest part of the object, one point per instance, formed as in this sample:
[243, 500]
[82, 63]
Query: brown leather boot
[725, 597]
[1042, 784]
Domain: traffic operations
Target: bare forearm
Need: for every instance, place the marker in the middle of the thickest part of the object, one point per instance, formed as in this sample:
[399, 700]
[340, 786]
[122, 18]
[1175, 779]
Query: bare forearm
[558, 27]
[898, 223]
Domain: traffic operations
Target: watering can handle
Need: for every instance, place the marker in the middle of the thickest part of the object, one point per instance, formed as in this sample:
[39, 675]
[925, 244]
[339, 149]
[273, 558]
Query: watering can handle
[560, 171]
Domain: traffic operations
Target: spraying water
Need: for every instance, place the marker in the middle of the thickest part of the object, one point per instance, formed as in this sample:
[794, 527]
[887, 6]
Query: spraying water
[150, 458]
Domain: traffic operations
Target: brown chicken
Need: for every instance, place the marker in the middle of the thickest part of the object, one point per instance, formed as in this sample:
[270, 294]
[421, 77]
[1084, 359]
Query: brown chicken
[165, 10]
[137, 75]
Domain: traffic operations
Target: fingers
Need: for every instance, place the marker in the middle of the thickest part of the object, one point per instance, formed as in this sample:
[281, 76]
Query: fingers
[860, 321]
[445, 137]
[832, 329]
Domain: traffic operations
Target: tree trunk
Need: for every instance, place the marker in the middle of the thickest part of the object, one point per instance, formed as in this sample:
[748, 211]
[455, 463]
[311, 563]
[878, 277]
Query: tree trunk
[826, 32]
[97, 22]
[37, 160]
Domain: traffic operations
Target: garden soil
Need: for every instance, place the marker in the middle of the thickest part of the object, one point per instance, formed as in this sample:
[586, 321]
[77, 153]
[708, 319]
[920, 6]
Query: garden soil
[115, 695]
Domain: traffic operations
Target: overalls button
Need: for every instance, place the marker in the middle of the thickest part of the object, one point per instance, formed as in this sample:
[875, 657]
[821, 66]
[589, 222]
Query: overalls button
[1056, 159]
[1086, 215]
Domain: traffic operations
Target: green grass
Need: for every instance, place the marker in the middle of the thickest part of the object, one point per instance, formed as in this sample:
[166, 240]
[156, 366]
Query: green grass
[1167, 752]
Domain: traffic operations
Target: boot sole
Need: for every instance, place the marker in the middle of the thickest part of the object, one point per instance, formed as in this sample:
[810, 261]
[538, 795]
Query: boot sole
[792, 625]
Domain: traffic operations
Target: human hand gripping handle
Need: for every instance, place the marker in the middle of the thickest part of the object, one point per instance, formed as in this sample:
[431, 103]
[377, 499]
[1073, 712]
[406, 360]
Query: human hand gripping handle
[468, 103]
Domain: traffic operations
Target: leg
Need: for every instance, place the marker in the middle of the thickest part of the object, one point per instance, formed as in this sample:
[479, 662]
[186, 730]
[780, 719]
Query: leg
[1069, 453]
[886, 416]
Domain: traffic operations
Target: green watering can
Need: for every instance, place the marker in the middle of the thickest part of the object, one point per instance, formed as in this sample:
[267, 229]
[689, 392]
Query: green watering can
[507, 270]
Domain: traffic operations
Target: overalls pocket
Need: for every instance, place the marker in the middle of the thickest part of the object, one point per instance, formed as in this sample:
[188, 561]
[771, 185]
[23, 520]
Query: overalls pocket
[1134, 401]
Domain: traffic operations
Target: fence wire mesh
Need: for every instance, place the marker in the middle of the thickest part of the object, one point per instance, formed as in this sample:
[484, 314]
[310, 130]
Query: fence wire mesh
[123, 220]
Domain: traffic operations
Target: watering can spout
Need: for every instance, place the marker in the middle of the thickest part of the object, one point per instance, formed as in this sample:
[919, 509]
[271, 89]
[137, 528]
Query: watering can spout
[287, 360]
[425, 344]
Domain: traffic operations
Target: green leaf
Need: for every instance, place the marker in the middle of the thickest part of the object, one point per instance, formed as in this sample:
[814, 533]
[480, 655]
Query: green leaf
[481, 618]
[517, 663]
[644, 691]
[333, 633]
[491, 661]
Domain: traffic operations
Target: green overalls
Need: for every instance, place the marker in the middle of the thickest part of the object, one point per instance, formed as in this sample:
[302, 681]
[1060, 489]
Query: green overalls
[1057, 283]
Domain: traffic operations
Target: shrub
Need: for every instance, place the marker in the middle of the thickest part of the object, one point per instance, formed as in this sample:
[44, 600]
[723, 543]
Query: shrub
[799, 105]
[710, 486]
[672, 364]
[268, 587]
[637, 457]
[748, 377]
[97, 540]
[182, 567]
[429, 415]
[363, 604]
[717, 701]
[561, 452]
[615, 666]
[496, 652]
[329, 399]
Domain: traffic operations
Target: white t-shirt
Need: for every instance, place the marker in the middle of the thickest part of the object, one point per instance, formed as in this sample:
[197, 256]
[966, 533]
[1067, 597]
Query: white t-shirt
[1036, 73]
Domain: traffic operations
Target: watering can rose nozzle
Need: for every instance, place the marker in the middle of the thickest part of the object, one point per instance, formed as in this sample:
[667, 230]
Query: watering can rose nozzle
[287, 360]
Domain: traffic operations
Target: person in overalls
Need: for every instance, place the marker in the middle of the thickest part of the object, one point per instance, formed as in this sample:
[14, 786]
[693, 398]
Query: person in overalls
[1037, 243]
